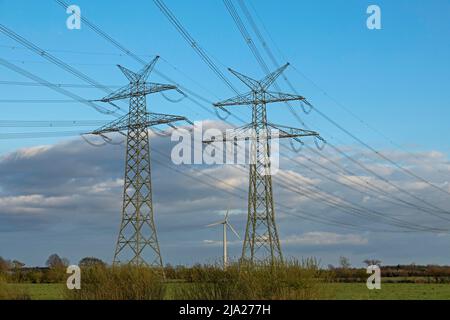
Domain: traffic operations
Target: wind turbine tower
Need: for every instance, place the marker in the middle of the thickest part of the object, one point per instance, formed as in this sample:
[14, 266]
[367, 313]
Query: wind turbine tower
[225, 225]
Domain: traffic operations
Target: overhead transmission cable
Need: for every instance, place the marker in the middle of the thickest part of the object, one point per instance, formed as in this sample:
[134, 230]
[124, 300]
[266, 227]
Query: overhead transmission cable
[248, 40]
[56, 88]
[28, 44]
[221, 182]
[190, 94]
[103, 34]
[329, 119]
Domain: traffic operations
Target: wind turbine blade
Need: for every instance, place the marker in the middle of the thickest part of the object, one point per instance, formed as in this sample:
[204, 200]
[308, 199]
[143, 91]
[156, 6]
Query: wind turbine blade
[234, 231]
[214, 224]
[226, 216]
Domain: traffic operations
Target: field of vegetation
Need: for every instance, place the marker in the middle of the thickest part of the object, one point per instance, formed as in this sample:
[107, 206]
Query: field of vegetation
[293, 280]
[335, 291]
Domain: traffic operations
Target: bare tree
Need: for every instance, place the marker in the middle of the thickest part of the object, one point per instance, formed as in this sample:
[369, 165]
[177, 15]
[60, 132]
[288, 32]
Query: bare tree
[90, 262]
[372, 262]
[344, 262]
[17, 264]
[54, 261]
[5, 265]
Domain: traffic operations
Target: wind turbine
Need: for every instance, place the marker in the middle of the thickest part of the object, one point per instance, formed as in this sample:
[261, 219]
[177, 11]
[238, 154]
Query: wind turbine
[225, 224]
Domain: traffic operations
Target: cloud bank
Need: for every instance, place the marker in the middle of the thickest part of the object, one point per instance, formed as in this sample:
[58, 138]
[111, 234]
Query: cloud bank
[67, 198]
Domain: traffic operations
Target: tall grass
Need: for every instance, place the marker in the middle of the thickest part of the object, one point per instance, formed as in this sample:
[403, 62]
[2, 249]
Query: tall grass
[12, 292]
[263, 281]
[118, 283]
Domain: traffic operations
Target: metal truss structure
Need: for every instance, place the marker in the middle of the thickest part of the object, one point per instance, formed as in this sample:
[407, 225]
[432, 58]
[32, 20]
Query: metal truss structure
[137, 242]
[261, 240]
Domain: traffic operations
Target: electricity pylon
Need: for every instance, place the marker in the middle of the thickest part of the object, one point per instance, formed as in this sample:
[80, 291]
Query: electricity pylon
[137, 241]
[261, 240]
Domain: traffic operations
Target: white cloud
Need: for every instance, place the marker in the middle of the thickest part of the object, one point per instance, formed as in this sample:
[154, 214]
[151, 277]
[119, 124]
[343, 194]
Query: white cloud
[34, 203]
[27, 152]
[318, 238]
[73, 185]
[219, 243]
[106, 186]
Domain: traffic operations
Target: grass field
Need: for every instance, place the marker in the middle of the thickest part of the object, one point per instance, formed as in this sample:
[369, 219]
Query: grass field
[41, 291]
[340, 291]
[390, 291]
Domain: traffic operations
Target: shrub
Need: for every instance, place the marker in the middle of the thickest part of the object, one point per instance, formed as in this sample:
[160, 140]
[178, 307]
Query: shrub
[262, 281]
[12, 292]
[99, 282]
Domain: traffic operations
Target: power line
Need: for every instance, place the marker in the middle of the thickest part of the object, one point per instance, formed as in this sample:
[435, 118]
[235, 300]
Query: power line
[50, 123]
[56, 88]
[71, 63]
[380, 193]
[99, 53]
[405, 170]
[222, 182]
[61, 85]
[190, 94]
[197, 48]
[116, 43]
[96, 122]
[28, 44]
[260, 60]
[264, 44]
[242, 29]
[245, 34]
[345, 108]
[303, 215]
[378, 153]
[360, 210]
[46, 134]
[38, 135]
[282, 182]
[388, 182]
[249, 41]
[316, 219]
[39, 101]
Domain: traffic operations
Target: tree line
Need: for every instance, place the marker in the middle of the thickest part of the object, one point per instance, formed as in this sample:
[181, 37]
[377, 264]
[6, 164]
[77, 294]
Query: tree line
[53, 272]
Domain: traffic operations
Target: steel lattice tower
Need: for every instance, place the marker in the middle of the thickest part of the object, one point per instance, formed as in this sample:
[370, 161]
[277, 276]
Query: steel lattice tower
[137, 241]
[261, 236]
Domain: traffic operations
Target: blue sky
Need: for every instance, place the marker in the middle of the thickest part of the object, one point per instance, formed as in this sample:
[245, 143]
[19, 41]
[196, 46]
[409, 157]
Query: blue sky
[395, 79]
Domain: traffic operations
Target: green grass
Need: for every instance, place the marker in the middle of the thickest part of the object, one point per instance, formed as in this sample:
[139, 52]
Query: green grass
[119, 283]
[390, 291]
[340, 291]
[40, 291]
